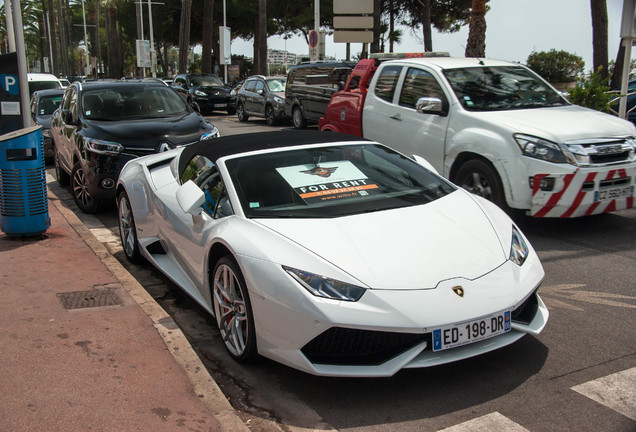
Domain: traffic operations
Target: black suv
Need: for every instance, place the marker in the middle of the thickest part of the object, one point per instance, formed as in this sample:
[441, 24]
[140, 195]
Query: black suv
[101, 125]
[207, 90]
[310, 87]
[262, 96]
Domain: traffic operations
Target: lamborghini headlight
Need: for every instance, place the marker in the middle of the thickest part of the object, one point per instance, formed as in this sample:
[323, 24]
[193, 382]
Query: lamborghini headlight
[518, 248]
[321, 286]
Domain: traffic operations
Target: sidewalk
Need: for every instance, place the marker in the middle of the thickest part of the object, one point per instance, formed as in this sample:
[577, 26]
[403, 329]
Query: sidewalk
[120, 364]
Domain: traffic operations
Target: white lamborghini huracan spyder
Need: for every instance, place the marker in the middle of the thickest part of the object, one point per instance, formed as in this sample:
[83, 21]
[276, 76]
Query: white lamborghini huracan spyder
[331, 254]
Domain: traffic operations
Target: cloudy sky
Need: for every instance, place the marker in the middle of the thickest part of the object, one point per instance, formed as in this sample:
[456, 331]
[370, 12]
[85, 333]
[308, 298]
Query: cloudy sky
[515, 28]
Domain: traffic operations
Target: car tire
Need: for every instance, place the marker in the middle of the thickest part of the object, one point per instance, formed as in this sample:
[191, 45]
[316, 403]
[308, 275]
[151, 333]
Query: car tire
[240, 113]
[61, 176]
[300, 122]
[233, 310]
[480, 178]
[128, 229]
[270, 118]
[79, 190]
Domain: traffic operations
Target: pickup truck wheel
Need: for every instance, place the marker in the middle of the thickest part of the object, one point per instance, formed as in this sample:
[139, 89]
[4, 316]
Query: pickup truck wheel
[300, 122]
[60, 175]
[240, 113]
[82, 198]
[270, 118]
[480, 178]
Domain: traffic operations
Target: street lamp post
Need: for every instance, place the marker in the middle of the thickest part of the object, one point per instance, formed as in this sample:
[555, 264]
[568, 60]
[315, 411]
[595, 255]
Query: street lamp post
[85, 41]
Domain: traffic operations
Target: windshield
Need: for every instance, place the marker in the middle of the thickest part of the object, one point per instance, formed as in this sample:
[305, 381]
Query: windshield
[206, 81]
[123, 102]
[501, 88]
[276, 84]
[48, 104]
[324, 182]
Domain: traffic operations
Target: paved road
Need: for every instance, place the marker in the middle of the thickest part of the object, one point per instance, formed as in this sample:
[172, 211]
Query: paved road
[579, 374]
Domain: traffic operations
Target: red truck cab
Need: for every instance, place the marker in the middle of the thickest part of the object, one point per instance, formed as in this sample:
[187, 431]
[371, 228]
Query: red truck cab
[344, 112]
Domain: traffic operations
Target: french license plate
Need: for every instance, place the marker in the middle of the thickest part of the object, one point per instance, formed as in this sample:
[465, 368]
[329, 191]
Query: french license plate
[470, 332]
[220, 105]
[614, 193]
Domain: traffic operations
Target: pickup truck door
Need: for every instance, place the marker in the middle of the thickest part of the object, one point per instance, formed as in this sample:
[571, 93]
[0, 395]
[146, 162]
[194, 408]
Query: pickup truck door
[379, 105]
[415, 132]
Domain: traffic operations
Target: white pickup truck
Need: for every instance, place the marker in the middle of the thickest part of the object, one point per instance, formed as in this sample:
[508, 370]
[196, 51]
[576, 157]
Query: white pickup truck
[494, 128]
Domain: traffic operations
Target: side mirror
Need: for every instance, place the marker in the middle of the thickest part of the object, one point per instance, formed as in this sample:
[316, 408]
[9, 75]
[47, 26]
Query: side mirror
[426, 164]
[67, 116]
[259, 91]
[190, 198]
[430, 105]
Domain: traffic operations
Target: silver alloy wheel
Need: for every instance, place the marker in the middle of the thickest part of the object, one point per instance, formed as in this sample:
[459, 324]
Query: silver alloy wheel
[299, 119]
[478, 184]
[80, 190]
[230, 310]
[127, 227]
[269, 115]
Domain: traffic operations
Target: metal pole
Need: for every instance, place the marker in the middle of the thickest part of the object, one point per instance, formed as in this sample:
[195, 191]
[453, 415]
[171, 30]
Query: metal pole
[85, 41]
[141, 20]
[152, 42]
[9, 19]
[20, 50]
[223, 48]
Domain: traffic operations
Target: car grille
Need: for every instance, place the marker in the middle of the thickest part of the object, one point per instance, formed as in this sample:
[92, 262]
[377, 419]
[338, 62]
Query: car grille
[342, 346]
[604, 151]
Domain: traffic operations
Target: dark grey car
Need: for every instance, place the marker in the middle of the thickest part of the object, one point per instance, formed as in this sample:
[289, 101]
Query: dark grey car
[43, 103]
[262, 96]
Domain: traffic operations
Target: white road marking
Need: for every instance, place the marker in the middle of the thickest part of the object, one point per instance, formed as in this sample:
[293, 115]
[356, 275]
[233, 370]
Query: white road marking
[487, 423]
[616, 391]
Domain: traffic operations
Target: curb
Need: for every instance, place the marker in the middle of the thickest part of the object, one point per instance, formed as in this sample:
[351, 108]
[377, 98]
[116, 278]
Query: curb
[203, 384]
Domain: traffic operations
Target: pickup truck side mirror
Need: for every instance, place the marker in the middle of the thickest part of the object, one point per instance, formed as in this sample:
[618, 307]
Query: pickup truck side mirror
[430, 105]
[67, 116]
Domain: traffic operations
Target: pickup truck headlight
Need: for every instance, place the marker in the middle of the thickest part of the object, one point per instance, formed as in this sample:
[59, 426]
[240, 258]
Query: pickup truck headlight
[541, 149]
[518, 248]
[103, 147]
[321, 286]
[200, 93]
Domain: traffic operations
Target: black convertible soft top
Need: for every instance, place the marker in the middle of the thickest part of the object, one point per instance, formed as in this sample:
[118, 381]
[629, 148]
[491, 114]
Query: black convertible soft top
[234, 144]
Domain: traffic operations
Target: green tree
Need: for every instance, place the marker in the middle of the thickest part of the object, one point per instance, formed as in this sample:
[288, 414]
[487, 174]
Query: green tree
[476, 44]
[592, 92]
[556, 66]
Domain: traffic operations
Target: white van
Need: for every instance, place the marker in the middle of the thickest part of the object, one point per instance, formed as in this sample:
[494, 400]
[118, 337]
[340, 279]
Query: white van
[42, 81]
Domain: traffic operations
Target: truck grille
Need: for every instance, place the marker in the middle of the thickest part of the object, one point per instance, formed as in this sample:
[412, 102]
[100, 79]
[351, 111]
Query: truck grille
[604, 151]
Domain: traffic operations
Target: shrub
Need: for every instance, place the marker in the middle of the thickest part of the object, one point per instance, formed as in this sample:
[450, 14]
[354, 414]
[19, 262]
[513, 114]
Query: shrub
[556, 66]
[592, 92]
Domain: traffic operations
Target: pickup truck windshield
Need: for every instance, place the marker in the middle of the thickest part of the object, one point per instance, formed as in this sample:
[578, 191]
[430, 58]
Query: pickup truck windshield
[501, 88]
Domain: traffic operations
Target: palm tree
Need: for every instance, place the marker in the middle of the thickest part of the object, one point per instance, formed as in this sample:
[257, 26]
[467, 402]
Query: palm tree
[476, 45]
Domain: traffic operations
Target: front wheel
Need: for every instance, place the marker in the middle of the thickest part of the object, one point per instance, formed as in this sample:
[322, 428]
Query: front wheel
[233, 310]
[270, 118]
[127, 229]
[240, 113]
[79, 185]
[480, 178]
[300, 122]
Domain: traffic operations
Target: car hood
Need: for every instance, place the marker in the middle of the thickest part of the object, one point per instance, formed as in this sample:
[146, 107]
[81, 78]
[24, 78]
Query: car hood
[408, 248]
[212, 89]
[148, 133]
[560, 124]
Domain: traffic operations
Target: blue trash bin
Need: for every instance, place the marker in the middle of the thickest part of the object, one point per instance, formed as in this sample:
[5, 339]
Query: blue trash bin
[24, 207]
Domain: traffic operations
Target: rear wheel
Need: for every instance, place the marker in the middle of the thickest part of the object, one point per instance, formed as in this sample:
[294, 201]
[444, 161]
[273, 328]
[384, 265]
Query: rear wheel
[127, 229]
[240, 113]
[480, 178]
[82, 198]
[61, 176]
[300, 122]
[233, 310]
[270, 118]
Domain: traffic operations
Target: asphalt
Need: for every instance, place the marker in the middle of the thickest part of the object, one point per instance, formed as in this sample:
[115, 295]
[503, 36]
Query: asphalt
[84, 347]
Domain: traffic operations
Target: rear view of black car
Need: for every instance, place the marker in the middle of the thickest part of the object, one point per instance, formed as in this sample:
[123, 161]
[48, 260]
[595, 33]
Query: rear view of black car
[102, 125]
[206, 90]
[43, 104]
